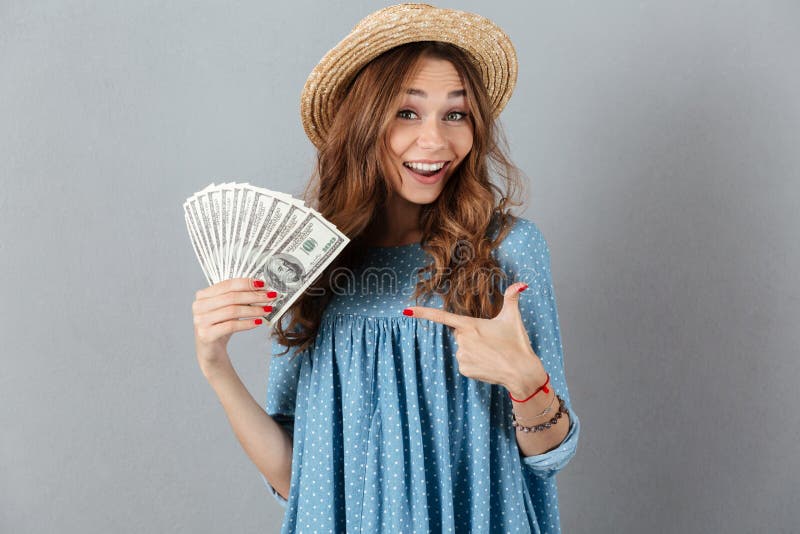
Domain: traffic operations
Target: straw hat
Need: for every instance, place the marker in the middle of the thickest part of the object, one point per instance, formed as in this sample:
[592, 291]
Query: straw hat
[488, 46]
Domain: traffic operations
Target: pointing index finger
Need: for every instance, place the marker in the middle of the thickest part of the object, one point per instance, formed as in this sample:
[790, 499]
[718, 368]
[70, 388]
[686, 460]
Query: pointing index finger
[437, 315]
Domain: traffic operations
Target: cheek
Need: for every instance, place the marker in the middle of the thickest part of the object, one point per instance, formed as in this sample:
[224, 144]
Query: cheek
[464, 144]
[460, 141]
[398, 141]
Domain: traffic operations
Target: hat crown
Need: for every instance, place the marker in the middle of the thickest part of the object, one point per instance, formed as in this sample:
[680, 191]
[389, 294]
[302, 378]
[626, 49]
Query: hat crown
[392, 12]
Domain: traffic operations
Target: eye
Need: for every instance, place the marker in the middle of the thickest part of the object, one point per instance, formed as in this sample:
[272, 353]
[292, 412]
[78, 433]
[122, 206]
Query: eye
[402, 113]
[461, 115]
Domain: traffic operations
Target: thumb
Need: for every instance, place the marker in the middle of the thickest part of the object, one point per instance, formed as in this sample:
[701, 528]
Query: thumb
[511, 300]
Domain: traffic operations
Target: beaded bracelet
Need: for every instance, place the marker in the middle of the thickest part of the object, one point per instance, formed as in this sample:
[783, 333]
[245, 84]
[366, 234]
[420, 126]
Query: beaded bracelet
[562, 408]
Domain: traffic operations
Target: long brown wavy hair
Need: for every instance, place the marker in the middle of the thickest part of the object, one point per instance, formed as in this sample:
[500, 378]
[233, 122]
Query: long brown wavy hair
[460, 228]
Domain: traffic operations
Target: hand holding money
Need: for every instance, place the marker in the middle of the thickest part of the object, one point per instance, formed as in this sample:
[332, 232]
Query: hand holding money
[241, 231]
[222, 309]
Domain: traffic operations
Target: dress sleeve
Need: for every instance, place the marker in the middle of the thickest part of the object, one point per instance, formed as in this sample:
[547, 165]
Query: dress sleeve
[281, 394]
[525, 252]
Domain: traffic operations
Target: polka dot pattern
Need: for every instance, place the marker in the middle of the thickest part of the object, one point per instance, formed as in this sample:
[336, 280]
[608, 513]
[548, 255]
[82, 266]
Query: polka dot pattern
[389, 436]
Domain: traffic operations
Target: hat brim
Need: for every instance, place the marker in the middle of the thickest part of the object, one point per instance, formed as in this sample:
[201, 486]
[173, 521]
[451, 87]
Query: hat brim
[488, 46]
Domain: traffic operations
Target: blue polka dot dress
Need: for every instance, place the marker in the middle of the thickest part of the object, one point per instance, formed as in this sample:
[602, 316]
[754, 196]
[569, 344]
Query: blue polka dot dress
[389, 436]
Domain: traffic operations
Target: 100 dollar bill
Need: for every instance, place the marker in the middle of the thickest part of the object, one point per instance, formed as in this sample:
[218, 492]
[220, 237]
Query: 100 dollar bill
[298, 260]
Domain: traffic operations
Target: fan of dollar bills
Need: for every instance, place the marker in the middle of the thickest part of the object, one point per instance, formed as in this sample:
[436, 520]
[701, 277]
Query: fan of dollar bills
[239, 230]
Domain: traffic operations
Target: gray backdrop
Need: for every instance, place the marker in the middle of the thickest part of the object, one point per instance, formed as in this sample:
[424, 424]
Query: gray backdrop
[660, 141]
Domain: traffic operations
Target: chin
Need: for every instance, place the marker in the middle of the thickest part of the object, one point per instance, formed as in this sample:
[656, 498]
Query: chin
[421, 197]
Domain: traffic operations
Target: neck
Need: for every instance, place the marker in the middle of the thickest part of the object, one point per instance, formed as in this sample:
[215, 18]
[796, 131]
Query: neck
[397, 224]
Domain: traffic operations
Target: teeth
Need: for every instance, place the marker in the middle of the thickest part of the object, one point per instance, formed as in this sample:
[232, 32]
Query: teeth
[424, 166]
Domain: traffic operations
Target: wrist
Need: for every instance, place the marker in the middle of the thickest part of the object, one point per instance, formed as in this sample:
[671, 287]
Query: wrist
[218, 369]
[527, 381]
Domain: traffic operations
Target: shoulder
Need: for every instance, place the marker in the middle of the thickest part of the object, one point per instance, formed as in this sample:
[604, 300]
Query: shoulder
[524, 239]
[523, 253]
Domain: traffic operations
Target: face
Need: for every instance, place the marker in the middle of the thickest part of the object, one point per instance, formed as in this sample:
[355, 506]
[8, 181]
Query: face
[283, 271]
[431, 131]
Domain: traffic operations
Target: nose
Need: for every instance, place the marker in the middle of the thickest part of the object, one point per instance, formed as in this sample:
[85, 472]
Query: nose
[430, 135]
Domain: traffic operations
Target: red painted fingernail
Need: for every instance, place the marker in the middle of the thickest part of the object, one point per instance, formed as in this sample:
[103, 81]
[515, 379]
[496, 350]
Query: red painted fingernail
[272, 294]
[257, 321]
[267, 308]
[258, 283]
[523, 288]
[408, 312]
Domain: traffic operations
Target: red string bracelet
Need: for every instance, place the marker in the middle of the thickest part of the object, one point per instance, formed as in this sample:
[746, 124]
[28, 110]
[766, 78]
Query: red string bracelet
[543, 387]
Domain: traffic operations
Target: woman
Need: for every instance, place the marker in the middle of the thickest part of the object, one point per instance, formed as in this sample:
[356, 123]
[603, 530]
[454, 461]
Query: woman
[450, 416]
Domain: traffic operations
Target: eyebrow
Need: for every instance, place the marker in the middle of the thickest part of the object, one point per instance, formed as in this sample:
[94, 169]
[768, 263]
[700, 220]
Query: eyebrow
[423, 94]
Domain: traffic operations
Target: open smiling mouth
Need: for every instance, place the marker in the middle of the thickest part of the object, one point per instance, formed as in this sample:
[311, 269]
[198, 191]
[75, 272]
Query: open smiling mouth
[428, 173]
